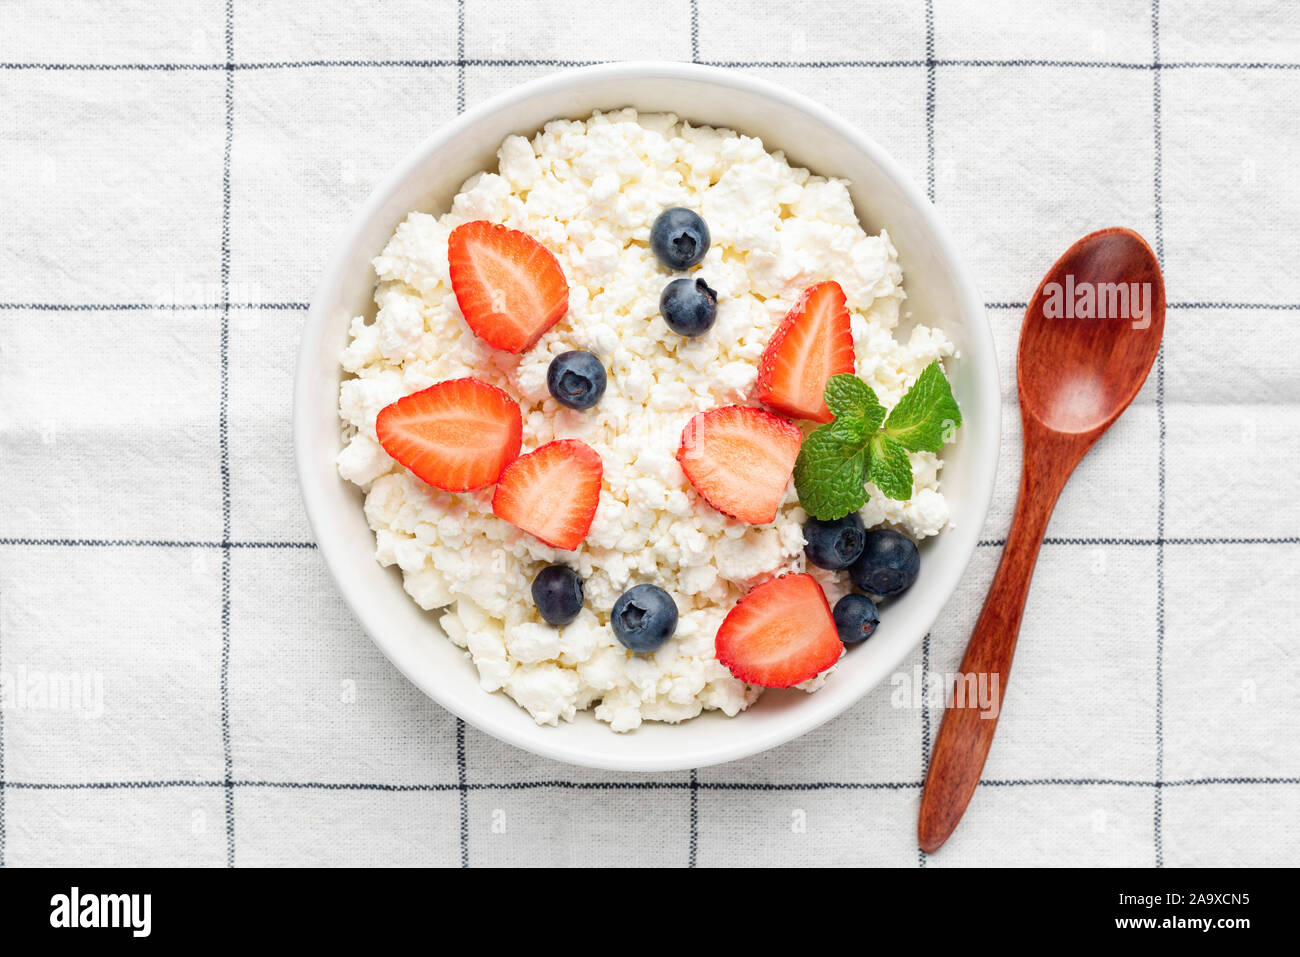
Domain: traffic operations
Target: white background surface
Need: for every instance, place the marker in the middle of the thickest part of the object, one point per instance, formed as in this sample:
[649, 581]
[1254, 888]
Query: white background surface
[174, 175]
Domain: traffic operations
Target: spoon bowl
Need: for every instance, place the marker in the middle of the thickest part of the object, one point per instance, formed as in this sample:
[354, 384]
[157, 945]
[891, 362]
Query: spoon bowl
[1091, 334]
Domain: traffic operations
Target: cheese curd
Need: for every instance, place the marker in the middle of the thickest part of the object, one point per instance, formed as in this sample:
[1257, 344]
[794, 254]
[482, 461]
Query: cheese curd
[589, 190]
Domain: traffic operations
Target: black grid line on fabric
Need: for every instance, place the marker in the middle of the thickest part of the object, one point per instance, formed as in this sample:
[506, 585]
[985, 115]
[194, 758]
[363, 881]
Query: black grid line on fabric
[225, 436]
[925, 725]
[149, 306]
[1147, 542]
[695, 31]
[462, 785]
[1223, 304]
[463, 62]
[144, 543]
[1202, 304]
[693, 851]
[994, 63]
[813, 64]
[929, 98]
[460, 56]
[689, 786]
[1157, 803]
[929, 191]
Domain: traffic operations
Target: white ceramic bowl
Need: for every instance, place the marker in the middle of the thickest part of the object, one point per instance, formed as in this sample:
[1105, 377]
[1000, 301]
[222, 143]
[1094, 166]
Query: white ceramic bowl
[940, 292]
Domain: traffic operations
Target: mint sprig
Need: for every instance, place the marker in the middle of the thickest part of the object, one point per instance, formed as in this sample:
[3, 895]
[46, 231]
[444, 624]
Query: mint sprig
[848, 397]
[890, 468]
[831, 469]
[927, 416]
[864, 444]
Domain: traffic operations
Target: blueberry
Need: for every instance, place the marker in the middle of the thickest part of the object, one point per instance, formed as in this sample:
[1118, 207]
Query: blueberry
[834, 544]
[576, 379]
[855, 618]
[679, 238]
[888, 564]
[644, 617]
[689, 307]
[557, 593]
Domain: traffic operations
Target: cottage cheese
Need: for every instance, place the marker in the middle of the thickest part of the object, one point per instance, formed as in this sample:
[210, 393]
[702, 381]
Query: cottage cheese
[589, 190]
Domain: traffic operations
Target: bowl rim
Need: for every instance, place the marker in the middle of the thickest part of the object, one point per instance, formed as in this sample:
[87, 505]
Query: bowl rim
[532, 738]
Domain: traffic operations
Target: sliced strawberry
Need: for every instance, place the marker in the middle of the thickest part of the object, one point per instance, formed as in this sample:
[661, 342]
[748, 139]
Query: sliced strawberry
[456, 435]
[812, 343]
[780, 634]
[740, 459]
[552, 492]
[508, 285]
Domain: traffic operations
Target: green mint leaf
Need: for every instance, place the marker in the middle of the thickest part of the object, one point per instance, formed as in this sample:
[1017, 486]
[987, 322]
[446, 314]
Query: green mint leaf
[831, 469]
[836, 460]
[847, 395]
[890, 468]
[927, 416]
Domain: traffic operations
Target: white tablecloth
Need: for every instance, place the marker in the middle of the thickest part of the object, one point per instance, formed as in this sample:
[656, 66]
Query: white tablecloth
[173, 177]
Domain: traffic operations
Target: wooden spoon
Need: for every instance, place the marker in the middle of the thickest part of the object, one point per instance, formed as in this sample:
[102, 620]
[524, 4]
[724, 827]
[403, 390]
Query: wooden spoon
[1076, 375]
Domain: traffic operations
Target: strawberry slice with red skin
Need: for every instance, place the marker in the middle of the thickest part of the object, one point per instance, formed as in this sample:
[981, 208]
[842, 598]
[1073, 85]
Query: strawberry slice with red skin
[457, 435]
[510, 288]
[552, 492]
[812, 343]
[740, 459]
[780, 634]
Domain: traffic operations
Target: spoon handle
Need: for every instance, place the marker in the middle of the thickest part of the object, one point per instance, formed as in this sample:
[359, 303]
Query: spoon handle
[969, 722]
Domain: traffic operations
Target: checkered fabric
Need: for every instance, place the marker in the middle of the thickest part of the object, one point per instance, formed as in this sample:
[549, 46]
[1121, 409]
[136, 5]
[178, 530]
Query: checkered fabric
[174, 175]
